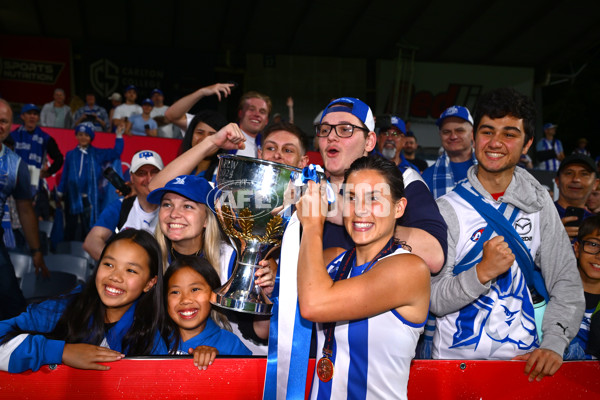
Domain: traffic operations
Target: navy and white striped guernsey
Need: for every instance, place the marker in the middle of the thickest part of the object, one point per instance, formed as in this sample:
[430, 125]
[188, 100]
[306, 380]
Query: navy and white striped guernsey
[371, 356]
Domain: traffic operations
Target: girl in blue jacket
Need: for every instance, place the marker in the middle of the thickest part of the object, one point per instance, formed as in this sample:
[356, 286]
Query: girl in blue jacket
[117, 313]
[189, 285]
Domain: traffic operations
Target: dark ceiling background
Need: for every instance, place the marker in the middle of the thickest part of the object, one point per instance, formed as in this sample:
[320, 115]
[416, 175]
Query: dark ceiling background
[548, 35]
[559, 38]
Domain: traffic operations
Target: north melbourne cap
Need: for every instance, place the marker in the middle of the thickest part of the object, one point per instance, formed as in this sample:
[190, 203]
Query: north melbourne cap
[398, 123]
[455, 111]
[145, 157]
[353, 106]
[86, 128]
[193, 187]
[29, 107]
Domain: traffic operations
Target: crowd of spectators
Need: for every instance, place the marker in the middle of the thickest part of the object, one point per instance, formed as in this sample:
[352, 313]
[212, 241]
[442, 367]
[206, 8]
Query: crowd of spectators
[494, 243]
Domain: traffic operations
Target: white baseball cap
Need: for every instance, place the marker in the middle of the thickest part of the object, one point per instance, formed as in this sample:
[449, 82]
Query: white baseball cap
[144, 157]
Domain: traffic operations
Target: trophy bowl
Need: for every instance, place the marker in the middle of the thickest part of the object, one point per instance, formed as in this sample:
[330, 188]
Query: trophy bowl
[252, 205]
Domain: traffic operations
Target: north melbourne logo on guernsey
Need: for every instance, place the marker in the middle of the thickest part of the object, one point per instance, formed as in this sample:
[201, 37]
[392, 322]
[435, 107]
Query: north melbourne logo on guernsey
[452, 110]
[476, 235]
[179, 181]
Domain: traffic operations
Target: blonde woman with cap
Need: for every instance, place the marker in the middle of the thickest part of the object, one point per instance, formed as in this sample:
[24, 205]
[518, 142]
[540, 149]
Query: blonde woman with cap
[187, 226]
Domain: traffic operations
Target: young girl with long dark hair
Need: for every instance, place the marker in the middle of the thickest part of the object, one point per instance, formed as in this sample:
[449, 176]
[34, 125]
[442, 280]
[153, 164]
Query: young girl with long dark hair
[117, 313]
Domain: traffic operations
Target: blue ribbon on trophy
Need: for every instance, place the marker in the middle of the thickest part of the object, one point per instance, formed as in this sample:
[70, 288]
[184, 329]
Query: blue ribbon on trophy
[289, 334]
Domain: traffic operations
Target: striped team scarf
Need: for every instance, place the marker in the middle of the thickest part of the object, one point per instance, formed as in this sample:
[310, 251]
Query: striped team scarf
[9, 237]
[443, 178]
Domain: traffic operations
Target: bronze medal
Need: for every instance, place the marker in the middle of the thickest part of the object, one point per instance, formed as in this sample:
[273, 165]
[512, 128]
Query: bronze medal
[325, 369]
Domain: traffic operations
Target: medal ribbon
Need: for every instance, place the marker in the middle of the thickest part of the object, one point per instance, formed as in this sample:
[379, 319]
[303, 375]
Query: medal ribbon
[342, 273]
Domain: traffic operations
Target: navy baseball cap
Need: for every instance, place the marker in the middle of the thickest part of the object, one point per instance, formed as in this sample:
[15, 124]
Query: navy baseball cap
[410, 134]
[455, 111]
[148, 101]
[578, 158]
[549, 125]
[86, 128]
[29, 107]
[131, 87]
[398, 123]
[157, 91]
[353, 106]
[193, 187]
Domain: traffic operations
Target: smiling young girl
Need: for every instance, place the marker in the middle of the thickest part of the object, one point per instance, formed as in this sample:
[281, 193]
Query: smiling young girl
[370, 303]
[117, 313]
[189, 285]
[188, 227]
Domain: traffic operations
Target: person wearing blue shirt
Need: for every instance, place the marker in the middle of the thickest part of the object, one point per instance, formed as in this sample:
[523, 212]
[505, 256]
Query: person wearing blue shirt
[456, 134]
[80, 181]
[587, 252]
[15, 182]
[117, 313]
[576, 178]
[143, 125]
[34, 146]
[346, 133]
[132, 212]
[390, 142]
[549, 150]
[190, 328]
[92, 113]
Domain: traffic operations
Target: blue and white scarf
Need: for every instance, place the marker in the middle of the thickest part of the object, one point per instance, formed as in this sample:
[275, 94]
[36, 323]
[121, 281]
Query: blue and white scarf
[443, 178]
[31, 147]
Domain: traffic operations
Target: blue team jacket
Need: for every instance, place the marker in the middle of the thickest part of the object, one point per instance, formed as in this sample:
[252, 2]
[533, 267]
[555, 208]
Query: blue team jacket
[224, 341]
[32, 351]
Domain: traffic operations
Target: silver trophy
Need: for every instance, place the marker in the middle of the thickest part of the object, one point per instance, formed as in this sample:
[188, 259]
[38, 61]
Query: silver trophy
[252, 205]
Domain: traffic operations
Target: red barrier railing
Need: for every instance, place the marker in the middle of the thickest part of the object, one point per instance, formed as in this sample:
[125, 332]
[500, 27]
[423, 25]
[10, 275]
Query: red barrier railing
[243, 378]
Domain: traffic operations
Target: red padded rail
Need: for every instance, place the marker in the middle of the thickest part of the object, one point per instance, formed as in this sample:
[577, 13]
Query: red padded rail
[243, 378]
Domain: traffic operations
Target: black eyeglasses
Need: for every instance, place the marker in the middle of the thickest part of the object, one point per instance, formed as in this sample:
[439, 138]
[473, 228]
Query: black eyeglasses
[342, 130]
[392, 133]
[591, 247]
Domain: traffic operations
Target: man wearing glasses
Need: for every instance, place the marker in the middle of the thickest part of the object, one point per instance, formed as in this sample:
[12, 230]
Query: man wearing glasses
[346, 133]
[390, 143]
[132, 212]
[456, 134]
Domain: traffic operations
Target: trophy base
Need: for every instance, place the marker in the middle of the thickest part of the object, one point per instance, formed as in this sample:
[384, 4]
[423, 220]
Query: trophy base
[244, 306]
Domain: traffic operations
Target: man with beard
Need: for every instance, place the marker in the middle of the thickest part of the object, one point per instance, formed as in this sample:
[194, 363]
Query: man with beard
[410, 150]
[390, 143]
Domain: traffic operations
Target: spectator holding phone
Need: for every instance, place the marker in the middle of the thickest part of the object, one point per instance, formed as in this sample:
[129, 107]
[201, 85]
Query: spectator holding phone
[80, 182]
[143, 125]
[92, 113]
[576, 178]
